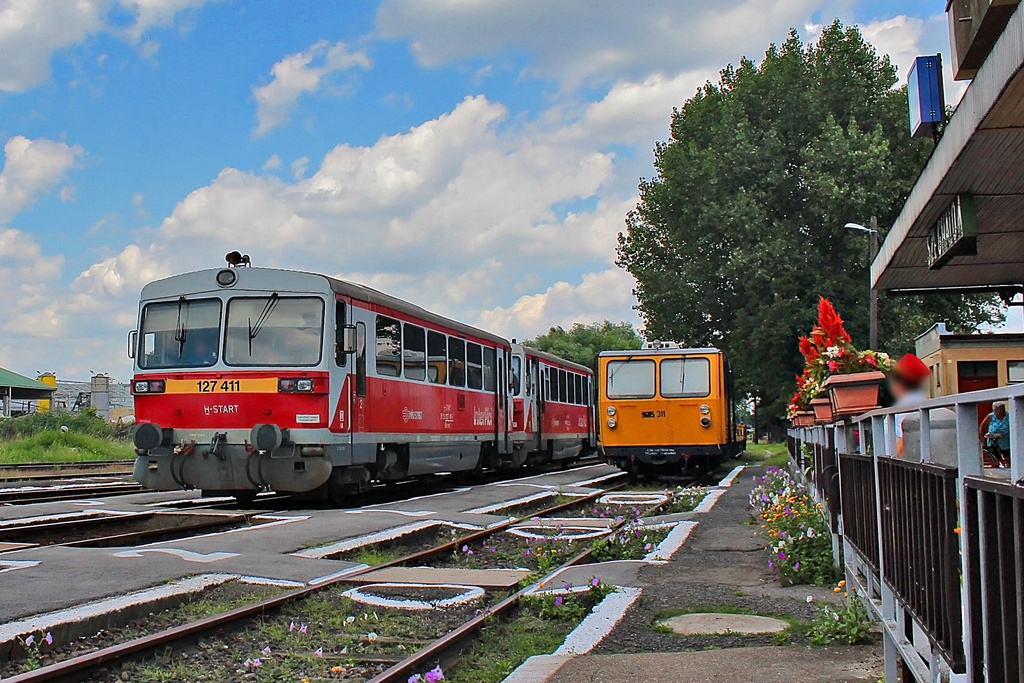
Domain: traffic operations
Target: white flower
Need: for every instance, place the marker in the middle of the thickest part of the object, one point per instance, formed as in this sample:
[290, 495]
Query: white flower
[810, 599]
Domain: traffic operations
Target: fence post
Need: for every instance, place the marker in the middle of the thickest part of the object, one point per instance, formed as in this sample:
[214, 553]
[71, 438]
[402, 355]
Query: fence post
[968, 455]
[925, 420]
[1016, 439]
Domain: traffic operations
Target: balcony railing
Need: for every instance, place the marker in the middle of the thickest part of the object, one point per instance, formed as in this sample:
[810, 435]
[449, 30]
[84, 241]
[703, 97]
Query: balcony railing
[936, 551]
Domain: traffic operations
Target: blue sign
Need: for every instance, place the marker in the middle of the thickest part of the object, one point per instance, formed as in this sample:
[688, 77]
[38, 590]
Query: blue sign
[924, 90]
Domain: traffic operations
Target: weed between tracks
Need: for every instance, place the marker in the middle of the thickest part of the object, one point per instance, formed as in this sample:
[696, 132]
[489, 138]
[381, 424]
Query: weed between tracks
[325, 637]
[215, 600]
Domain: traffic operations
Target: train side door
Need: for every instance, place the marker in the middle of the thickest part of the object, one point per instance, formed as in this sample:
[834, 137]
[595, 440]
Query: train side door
[502, 410]
[343, 373]
[537, 400]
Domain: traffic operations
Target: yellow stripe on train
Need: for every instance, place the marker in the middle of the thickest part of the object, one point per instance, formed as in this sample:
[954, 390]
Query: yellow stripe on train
[263, 385]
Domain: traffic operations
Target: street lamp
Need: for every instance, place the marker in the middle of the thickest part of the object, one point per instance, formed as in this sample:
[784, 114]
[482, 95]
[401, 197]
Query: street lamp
[873, 296]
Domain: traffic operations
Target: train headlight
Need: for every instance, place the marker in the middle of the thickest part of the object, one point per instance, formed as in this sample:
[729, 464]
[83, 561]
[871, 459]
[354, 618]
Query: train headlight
[610, 410]
[149, 386]
[705, 421]
[291, 385]
[705, 409]
[611, 423]
[226, 277]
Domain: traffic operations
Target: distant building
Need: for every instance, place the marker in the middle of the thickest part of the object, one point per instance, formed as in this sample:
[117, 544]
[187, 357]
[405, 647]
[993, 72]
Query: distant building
[18, 394]
[970, 362]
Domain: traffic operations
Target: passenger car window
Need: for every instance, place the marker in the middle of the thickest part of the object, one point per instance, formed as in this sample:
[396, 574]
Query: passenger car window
[490, 382]
[389, 347]
[415, 352]
[456, 362]
[630, 379]
[474, 366]
[437, 357]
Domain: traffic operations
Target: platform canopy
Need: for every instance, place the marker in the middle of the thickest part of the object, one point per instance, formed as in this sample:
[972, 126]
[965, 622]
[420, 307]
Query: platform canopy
[973, 183]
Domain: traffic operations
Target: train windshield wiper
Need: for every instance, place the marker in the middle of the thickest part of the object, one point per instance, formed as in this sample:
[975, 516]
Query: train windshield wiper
[622, 364]
[181, 326]
[268, 310]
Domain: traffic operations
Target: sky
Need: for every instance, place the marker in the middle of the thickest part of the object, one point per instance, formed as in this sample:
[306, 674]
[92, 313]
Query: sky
[476, 157]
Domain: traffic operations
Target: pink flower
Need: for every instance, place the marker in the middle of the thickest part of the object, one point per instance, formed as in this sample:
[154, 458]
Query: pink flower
[256, 663]
[303, 628]
[434, 675]
[48, 638]
[833, 365]
[595, 582]
[30, 640]
[319, 652]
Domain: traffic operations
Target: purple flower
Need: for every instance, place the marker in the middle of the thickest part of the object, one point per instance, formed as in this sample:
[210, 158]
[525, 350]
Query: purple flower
[256, 663]
[30, 640]
[266, 651]
[291, 627]
[48, 638]
[595, 582]
[319, 652]
[558, 601]
[567, 586]
[465, 548]
[782, 555]
[434, 675]
[303, 628]
[796, 565]
[415, 678]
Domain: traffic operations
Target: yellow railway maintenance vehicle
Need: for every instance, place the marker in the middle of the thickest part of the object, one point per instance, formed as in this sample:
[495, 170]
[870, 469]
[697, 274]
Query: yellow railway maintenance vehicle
[667, 410]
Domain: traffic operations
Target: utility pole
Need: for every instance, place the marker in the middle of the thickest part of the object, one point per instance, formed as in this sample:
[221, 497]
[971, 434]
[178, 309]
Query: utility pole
[873, 296]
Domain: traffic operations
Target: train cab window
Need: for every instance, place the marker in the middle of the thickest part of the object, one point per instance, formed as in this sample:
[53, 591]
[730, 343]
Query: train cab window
[456, 362]
[437, 358]
[274, 330]
[490, 367]
[474, 366]
[563, 388]
[389, 347]
[571, 388]
[414, 354]
[340, 357]
[685, 377]
[180, 334]
[630, 378]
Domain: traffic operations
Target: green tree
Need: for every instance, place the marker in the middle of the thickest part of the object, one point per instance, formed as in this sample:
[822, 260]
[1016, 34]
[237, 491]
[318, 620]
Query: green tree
[741, 229]
[582, 343]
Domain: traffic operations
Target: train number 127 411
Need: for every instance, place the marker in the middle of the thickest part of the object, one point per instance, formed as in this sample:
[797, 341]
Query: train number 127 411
[212, 386]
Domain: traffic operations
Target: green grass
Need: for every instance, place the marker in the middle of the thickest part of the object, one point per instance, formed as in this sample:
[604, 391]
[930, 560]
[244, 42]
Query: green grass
[766, 454]
[53, 445]
[374, 555]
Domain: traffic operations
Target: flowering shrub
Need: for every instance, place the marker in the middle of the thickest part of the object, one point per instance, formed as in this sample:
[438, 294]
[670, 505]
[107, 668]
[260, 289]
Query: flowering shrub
[569, 606]
[829, 351]
[846, 623]
[800, 542]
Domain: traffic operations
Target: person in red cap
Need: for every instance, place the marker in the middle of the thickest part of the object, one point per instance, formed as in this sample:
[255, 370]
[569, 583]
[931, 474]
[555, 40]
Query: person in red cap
[907, 382]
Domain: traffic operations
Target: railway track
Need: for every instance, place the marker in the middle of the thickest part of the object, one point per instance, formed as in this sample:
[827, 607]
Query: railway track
[48, 494]
[64, 470]
[81, 667]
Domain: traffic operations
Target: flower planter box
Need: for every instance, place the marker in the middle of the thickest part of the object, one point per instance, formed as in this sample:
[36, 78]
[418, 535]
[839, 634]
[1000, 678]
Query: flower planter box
[803, 419]
[855, 393]
[822, 410]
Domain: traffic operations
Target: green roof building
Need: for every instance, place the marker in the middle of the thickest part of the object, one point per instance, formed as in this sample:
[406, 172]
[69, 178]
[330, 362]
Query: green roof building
[15, 387]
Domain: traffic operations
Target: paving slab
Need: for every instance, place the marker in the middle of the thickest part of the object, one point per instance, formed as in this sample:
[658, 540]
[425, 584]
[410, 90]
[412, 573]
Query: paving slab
[755, 664]
[492, 579]
[710, 623]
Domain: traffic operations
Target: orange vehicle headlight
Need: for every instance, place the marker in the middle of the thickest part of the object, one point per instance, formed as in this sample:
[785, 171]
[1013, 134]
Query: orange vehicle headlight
[612, 423]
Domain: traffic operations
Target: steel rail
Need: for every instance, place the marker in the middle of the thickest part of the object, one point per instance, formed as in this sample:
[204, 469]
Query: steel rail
[50, 495]
[420, 660]
[76, 668]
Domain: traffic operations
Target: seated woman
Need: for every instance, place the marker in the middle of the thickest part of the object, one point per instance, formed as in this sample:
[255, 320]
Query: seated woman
[995, 432]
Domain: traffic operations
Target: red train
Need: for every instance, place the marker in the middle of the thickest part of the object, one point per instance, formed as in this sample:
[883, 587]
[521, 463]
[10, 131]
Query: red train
[252, 378]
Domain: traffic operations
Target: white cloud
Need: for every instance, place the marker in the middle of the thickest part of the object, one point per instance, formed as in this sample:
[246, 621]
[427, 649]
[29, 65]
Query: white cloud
[274, 162]
[31, 31]
[605, 295]
[298, 74]
[31, 169]
[577, 41]
[904, 38]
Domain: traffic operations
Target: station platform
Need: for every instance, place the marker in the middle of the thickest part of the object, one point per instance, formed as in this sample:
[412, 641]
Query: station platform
[721, 567]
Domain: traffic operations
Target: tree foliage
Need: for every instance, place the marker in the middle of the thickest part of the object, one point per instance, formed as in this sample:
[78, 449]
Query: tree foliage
[582, 343]
[741, 229]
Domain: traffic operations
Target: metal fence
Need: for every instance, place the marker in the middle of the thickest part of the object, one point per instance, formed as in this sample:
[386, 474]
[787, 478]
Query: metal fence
[935, 550]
